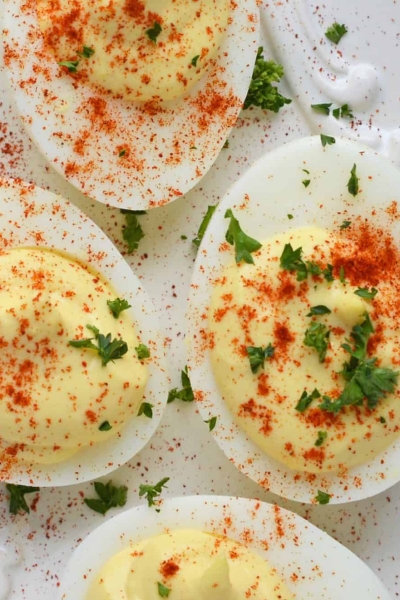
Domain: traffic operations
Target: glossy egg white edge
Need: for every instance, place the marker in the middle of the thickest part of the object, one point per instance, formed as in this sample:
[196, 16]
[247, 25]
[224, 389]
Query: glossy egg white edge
[261, 200]
[31, 216]
[312, 563]
[48, 105]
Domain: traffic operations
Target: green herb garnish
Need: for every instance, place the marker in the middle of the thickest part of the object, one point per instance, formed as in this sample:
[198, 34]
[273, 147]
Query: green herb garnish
[146, 409]
[244, 245]
[152, 491]
[211, 423]
[117, 306]
[203, 225]
[109, 496]
[317, 336]
[352, 184]
[17, 497]
[320, 309]
[163, 591]
[142, 352]
[107, 349]
[121, 153]
[186, 393]
[327, 140]
[323, 108]
[306, 399]
[261, 91]
[335, 32]
[342, 276]
[291, 260]
[366, 293]
[322, 435]
[132, 232]
[322, 497]
[105, 426]
[345, 224]
[257, 356]
[306, 182]
[86, 52]
[70, 64]
[154, 32]
[382, 420]
[343, 111]
[194, 60]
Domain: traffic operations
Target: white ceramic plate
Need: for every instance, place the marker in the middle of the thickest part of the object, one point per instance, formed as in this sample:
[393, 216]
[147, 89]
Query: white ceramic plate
[31, 216]
[313, 564]
[261, 200]
[167, 151]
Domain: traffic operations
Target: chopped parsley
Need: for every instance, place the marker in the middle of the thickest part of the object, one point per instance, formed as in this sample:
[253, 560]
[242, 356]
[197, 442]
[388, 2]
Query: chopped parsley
[142, 352]
[121, 153]
[163, 591]
[17, 497]
[132, 231]
[152, 491]
[261, 91]
[194, 60]
[186, 393]
[345, 224]
[322, 435]
[327, 140]
[290, 217]
[366, 293]
[322, 497]
[257, 356]
[226, 144]
[335, 32]
[364, 379]
[317, 336]
[183, 237]
[323, 108]
[342, 276]
[320, 309]
[352, 184]
[211, 423]
[107, 349]
[203, 225]
[86, 52]
[109, 496]
[306, 399]
[382, 420]
[154, 32]
[72, 65]
[105, 426]
[306, 182]
[291, 260]
[343, 111]
[146, 409]
[244, 245]
[117, 306]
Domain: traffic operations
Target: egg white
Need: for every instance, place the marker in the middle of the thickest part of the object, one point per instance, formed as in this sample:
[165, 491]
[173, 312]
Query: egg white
[261, 200]
[32, 216]
[290, 543]
[48, 104]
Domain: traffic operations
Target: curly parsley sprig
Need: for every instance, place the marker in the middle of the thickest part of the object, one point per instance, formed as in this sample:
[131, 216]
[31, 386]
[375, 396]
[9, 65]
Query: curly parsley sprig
[261, 91]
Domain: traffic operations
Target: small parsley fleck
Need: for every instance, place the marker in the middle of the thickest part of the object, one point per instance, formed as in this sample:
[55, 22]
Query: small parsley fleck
[335, 32]
[109, 496]
[154, 32]
[258, 355]
[105, 426]
[70, 64]
[320, 309]
[366, 293]
[322, 435]
[327, 140]
[306, 399]
[163, 591]
[306, 182]
[323, 108]
[345, 224]
[353, 183]
[150, 492]
[142, 352]
[244, 244]
[322, 497]
[194, 60]
[186, 393]
[211, 423]
[117, 306]
[121, 153]
[290, 217]
[17, 497]
[382, 420]
[86, 52]
[146, 409]
[203, 225]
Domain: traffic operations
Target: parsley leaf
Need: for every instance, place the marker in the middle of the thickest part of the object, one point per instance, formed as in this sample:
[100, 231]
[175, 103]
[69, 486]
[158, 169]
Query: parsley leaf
[342, 276]
[291, 260]
[366, 293]
[117, 306]
[320, 309]
[186, 393]
[142, 352]
[322, 435]
[132, 232]
[211, 423]
[261, 91]
[17, 497]
[105, 426]
[335, 32]
[109, 495]
[107, 349]
[203, 225]
[352, 184]
[306, 399]
[152, 491]
[146, 409]
[327, 139]
[226, 144]
[317, 336]
[257, 356]
[364, 379]
[121, 153]
[244, 245]
[154, 32]
[343, 111]
[328, 273]
[70, 64]
[194, 60]
[306, 182]
[323, 108]
[345, 224]
[382, 420]
[163, 591]
[322, 497]
[86, 52]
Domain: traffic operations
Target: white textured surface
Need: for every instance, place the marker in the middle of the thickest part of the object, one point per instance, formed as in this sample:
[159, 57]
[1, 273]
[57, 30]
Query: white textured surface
[183, 448]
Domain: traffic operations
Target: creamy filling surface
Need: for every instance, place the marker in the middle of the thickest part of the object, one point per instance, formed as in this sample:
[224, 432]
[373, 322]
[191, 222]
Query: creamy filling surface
[136, 49]
[55, 397]
[185, 564]
[261, 304]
